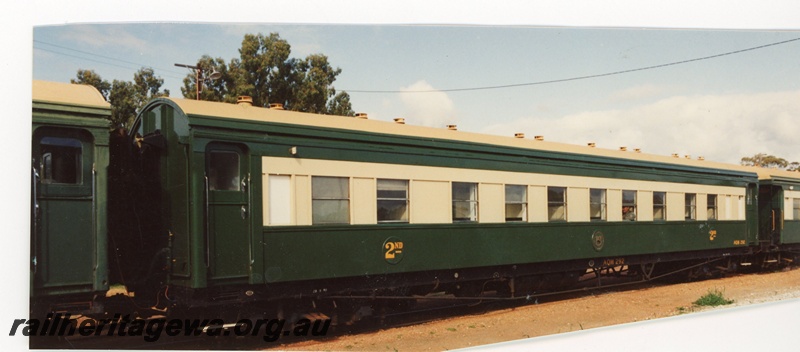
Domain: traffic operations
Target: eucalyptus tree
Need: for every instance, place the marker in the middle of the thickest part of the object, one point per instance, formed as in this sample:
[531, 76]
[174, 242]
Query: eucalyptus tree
[125, 97]
[266, 72]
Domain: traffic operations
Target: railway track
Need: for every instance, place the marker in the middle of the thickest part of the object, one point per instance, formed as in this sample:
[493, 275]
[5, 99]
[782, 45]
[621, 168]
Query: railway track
[384, 314]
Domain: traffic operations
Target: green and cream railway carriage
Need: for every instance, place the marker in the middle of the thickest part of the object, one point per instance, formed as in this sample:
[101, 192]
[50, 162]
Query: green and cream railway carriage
[259, 203]
[68, 216]
[215, 204]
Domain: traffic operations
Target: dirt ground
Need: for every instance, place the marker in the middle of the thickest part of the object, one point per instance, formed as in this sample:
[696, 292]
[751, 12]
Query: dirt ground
[554, 317]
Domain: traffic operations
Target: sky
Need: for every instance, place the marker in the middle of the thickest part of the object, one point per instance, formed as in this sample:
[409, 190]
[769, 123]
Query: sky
[722, 108]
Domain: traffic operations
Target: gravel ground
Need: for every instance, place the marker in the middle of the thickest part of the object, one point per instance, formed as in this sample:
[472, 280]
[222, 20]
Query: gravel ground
[554, 317]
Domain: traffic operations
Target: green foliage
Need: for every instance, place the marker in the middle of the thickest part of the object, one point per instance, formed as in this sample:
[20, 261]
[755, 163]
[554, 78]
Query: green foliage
[123, 104]
[212, 90]
[125, 97]
[93, 79]
[713, 298]
[340, 105]
[765, 160]
[265, 71]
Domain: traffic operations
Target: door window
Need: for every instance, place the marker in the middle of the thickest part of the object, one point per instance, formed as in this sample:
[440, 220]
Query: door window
[61, 160]
[223, 171]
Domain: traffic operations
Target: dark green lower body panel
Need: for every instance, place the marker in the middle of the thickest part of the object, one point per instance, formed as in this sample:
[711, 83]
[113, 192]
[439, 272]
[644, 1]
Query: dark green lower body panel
[790, 232]
[307, 253]
[64, 249]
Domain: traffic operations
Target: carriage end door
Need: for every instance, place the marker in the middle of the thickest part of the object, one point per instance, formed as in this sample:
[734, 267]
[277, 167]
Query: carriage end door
[63, 252]
[228, 213]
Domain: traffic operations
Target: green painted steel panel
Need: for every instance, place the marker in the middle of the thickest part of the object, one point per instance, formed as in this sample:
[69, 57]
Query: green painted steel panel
[791, 232]
[65, 245]
[305, 253]
[229, 239]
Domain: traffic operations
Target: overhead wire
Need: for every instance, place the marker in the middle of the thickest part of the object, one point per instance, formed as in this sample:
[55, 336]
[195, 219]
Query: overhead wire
[101, 56]
[504, 86]
[574, 78]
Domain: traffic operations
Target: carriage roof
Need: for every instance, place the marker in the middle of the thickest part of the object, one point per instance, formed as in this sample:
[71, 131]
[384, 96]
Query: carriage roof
[68, 94]
[194, 108]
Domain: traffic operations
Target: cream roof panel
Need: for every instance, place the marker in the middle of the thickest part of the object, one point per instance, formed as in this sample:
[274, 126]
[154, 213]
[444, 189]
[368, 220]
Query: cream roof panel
[766, 174]
[77, 94]
[246, 112]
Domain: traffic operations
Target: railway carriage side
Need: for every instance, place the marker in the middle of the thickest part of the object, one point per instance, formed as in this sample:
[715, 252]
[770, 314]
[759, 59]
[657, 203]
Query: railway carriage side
[779, 212]
[68, 216]
[443, 212]
[254, 203]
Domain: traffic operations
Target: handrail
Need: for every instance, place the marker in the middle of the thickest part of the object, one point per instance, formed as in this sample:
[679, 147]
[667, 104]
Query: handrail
[773, 219]
[35, 217]
[94, 218]
[207, 230]
[248, 221]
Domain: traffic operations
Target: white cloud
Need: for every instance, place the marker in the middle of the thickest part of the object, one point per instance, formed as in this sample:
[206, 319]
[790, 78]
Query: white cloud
[636, 93]
[719, 127]
[105, 36]
[432, 109]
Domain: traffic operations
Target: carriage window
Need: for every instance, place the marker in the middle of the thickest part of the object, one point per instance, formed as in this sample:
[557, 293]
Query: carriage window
[691, 206]
[392, 201]
[597, 204]
[629, 205]
[659, 205]
[556, 203]
[742, 207]
[223, 171]
[516, 203]
[330, 200]
[465, 202]
[796, 208]
[61, 160]
[280, 199]
[711, 207]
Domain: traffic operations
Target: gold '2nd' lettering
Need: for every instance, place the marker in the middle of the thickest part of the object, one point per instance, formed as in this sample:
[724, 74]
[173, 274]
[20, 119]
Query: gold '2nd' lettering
[393, 249]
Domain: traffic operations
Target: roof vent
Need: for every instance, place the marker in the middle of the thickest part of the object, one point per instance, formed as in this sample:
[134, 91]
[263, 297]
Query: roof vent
[675, 155]
[687, 156]
[519, 135]
[591, 144]
[361, 115]
[452, 127]
[400, 121]
[638, 150]
[701, 158]
[244, 100]
[538, 138]
[623, 149]
[276, 106]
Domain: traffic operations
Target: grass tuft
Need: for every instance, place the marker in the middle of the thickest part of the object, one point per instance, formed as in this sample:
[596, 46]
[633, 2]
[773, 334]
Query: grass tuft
[713, 298]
